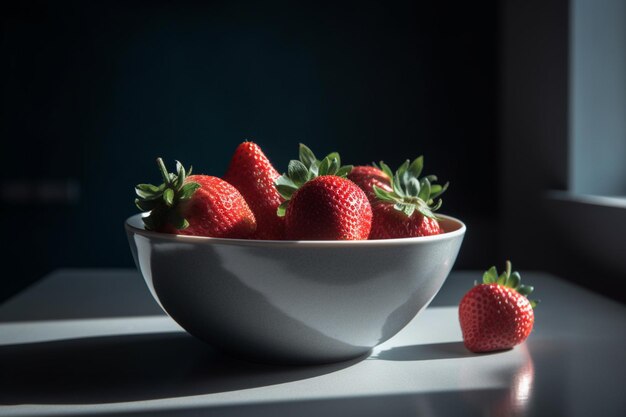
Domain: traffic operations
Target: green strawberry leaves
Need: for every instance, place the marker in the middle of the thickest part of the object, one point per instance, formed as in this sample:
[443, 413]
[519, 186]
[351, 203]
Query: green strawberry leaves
[411, 193]
[168, 197]
[514, 281]
[510, 279]
[162, 201]
[306, 155]
[298, 172]
[490, 276]
[304, 169]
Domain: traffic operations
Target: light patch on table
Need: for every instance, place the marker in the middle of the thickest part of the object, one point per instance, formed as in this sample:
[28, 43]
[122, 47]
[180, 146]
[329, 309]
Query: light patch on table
[53, 330]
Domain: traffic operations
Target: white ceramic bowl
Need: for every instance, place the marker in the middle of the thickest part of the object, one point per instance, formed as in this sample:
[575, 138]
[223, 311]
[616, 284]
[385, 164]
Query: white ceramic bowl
[293, 301]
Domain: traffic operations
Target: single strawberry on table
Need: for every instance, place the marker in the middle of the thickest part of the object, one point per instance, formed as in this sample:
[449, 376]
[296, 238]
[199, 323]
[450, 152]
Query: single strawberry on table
[320, 203]
[497, 314]
[198, 205]
[251, 172]
[406, 207]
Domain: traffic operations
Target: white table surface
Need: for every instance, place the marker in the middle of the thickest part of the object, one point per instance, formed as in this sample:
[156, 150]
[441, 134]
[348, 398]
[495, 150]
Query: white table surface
[93, 342]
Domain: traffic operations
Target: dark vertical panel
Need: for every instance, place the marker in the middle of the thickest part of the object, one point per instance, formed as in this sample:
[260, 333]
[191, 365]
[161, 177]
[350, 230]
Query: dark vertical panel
[534, 126]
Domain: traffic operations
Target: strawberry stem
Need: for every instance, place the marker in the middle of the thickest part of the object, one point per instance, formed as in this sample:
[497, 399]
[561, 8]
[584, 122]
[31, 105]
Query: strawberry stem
[162, 201]
[510, 279]
[163, 170]
[410, 193]
[304, 169]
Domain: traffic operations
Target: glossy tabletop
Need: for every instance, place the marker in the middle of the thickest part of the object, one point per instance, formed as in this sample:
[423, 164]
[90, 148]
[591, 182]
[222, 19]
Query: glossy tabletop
[93, 342]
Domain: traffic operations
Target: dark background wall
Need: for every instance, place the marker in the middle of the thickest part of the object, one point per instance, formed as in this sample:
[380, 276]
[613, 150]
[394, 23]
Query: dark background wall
[92, 92]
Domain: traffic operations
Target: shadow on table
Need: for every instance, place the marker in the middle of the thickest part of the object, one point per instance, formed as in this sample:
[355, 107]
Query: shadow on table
[132, 368]
[429, 351]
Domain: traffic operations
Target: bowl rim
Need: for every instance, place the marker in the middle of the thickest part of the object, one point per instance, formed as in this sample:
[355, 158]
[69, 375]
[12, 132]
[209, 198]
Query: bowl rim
[134, 220]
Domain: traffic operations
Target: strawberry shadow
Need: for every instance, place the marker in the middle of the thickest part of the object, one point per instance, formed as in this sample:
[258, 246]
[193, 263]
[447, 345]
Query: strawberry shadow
[428, 351]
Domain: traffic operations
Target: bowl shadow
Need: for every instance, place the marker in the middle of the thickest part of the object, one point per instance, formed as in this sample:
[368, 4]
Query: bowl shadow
[132, 368]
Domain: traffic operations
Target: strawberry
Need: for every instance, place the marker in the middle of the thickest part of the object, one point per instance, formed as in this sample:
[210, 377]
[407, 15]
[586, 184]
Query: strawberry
[407, 209]
[321, 204]
[198, 205]
[367, 177]
[497, 314]
[390, 223]
[253, 175]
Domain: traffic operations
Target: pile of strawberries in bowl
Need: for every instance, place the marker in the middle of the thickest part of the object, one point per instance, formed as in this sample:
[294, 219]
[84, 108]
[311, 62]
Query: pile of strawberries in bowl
[314, 200]
[319, 264]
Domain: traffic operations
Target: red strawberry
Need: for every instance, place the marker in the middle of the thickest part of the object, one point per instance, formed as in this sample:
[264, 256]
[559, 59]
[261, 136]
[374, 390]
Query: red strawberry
[253, 175]
[328, 208]
[320, 203]
[407, 209]
[390, 223]
[496, 314]
[367, 177]
[198, 205]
